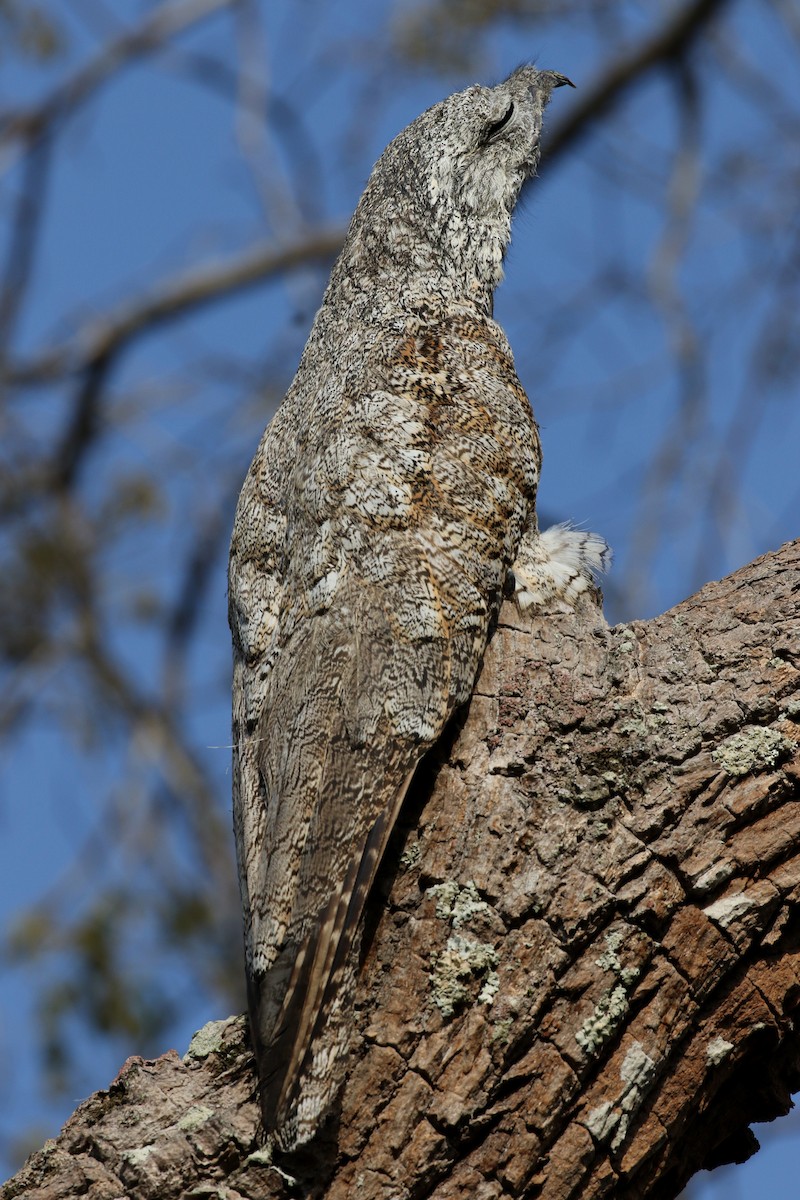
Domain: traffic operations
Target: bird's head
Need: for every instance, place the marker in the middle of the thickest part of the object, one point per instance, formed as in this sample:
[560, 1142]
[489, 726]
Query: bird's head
[436, 212]
[484, 143]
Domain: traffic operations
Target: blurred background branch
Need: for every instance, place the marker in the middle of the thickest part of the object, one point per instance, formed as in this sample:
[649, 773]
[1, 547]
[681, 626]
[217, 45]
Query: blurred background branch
[102, 339]
[147, 38]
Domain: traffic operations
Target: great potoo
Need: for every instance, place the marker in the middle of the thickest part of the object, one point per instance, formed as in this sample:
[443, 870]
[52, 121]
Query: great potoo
[390, 503]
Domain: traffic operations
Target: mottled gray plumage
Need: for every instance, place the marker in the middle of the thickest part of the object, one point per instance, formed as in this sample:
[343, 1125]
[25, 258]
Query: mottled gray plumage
[374, 536]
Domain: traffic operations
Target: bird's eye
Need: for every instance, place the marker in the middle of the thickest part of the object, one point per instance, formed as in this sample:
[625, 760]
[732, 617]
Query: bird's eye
[491, 131]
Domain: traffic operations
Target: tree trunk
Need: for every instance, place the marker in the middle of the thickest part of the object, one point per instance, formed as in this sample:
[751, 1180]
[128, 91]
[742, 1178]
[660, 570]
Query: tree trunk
[582, 959]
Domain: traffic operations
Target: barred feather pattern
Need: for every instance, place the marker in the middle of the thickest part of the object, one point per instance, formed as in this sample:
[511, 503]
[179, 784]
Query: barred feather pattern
[385, 507]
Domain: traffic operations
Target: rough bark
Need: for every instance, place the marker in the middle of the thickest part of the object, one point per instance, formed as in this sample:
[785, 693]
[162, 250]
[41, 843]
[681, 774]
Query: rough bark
[584, 957]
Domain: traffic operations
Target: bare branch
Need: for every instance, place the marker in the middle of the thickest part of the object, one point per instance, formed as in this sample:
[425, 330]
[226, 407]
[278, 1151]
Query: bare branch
[668, 44]
[154, 727]
[23, 239]
[198, 574]
[105, 338]
[27, 125]
[83, 425]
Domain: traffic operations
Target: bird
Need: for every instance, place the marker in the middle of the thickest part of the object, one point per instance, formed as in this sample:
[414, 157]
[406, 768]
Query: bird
[390, 506]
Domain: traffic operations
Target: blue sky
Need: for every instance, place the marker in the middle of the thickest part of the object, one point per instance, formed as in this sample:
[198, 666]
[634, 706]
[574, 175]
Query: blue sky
[149, 181]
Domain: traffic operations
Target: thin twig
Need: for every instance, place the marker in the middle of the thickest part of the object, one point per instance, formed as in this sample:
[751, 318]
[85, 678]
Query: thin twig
[29, 124]
[24, 239]
[669, 43]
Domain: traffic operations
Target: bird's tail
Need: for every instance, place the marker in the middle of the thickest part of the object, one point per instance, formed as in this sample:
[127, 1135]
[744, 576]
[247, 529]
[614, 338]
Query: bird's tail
[301, 1007]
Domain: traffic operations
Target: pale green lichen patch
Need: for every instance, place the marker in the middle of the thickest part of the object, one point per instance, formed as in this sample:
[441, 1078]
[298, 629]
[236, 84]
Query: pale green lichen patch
[410, 856]
[609, 960]
[455, 970]
[714, 876]
[753, 748]
[729, 908]
[610, 1122]
[602, 1121]
[444, 894]
[491, 987]
[637, 1071]
[635, 728]
[196, 1116]
[601, 1025]
[207, 1040]
[501, 1030]
[464, 960]
[459, 905]
[718, 1050]
[138, 1156]
[599, 830]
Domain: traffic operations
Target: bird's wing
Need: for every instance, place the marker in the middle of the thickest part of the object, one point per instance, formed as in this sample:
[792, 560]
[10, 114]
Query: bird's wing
[401, 516]
[341, 682]
[255, 588]
[352, 704]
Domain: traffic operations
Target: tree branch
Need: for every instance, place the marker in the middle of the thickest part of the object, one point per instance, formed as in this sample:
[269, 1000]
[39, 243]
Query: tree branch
[24, 240]
[29, 124]
[100, 341]
[669, 43]
[582, 972]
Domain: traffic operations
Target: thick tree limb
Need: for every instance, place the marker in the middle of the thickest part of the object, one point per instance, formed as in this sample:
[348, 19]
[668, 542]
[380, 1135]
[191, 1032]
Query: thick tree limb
[583, 969]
